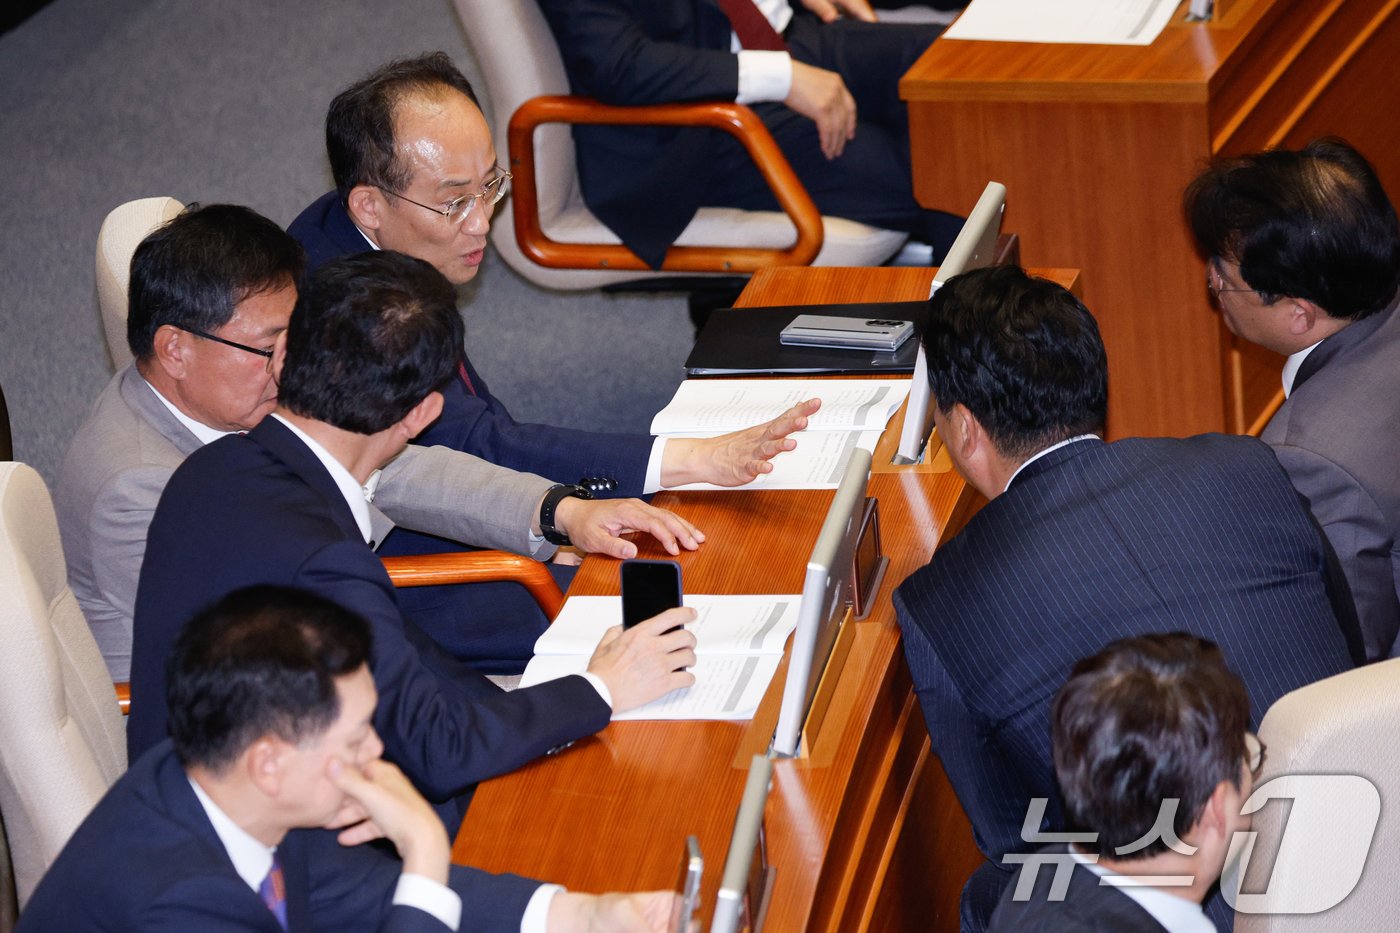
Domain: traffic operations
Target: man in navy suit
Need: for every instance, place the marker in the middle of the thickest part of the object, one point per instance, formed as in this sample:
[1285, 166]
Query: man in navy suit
[228, 825]
[1083, 542]
[1154, 760]
[416, 171]
[370, 339]
[1304, 254]
[826, 87]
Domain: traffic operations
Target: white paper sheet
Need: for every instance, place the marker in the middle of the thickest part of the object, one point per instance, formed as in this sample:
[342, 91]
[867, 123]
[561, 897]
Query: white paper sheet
[1098, 22]
[725, 624]
[817, 462]
[727, 686]
[714, 406]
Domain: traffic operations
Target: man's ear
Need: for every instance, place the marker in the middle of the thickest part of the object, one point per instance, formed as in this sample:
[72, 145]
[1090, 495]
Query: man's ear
[279, 357]
[1305, 316]
[1215, 818]
[366, 207]
[264, 762]
[969, 435]
[169, 350]
[422, 414]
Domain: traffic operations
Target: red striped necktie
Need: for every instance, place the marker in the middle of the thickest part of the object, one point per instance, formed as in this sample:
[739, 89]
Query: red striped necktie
[751, 26]
[273, 891]
[466, 377]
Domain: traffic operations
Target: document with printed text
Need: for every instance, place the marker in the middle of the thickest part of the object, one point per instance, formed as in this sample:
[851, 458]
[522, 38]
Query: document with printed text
[818, 462]
[1095, 22]
[717, 406]
[739, 643]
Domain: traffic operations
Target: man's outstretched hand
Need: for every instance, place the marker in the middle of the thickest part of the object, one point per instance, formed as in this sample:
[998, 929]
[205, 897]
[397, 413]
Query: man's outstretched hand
[736, 458]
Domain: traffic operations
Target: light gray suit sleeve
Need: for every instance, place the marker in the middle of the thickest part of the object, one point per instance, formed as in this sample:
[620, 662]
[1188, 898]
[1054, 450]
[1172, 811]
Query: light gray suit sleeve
[117, 527]
[1365, 546]
[454, 495]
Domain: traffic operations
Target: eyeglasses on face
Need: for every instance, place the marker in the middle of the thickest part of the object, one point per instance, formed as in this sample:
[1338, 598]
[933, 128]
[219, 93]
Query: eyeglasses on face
[1215, 282]
[457, 210]
[265, 354]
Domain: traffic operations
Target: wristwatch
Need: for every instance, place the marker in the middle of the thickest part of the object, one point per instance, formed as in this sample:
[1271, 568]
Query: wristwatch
[552, 497]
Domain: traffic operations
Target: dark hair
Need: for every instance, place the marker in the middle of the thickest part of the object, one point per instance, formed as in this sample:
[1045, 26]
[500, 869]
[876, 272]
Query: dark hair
[262, 660]
[1021, 353]
[360, 122]
[193, 271]
[371, 335]
[1313, 224]
[1145, 720]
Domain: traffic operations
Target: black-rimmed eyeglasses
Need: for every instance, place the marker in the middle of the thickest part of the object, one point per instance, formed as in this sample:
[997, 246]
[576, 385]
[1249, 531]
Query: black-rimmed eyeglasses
[456, 210]
[265, 354]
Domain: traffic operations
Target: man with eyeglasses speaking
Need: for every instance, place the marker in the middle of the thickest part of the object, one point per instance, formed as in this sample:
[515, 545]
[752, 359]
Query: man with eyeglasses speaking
[416, 171]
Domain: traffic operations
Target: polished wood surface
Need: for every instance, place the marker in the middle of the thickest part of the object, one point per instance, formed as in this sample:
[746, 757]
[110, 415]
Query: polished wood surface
[1096, 144]
[736, 119]
[478, 567]
[612, 812]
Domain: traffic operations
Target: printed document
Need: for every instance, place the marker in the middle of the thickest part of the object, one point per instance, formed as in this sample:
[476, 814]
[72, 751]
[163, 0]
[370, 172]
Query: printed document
[818, 462]
[1096, 22]
[717, 406]
[739, 642]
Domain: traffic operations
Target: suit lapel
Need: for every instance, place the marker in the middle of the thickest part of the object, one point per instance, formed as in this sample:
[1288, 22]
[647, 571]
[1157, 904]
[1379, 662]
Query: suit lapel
[280, 442]
[342, 230]
[141, 398]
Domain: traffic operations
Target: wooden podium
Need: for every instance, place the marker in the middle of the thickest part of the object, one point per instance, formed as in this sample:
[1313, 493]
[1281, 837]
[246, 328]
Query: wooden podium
[1096, 144]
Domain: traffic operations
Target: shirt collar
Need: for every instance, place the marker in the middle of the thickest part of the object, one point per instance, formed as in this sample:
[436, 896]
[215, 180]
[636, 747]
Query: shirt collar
[1175, 914]
[251, 859]
[372, 245]
[356, 496]
[202, 432]
[1292, 365]
[1032, 459]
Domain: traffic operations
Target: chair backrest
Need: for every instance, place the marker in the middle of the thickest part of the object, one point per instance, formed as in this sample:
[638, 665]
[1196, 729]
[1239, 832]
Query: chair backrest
[125, 227]
[62, 742]
[519, 59]
[1344, 725]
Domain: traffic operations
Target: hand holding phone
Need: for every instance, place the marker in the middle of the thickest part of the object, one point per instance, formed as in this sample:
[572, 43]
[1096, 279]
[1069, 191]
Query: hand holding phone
[649, 588]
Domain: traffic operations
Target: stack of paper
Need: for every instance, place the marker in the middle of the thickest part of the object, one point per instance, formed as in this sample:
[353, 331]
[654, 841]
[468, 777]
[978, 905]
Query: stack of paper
[739, 642]
[1100, 22]
[853, 414]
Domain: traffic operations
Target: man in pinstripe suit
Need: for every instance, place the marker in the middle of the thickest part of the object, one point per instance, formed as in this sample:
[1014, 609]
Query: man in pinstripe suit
[1082, 543]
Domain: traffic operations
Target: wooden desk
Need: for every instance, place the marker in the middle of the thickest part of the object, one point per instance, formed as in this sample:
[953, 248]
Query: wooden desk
[612, 812]
[1096, 144]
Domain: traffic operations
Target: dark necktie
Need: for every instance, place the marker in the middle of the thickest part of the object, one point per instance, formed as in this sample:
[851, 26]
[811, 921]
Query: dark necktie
[273, 891]
[751, 26]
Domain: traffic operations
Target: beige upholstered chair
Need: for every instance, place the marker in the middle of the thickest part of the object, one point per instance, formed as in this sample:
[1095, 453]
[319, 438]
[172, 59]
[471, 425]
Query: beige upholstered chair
[1346, 725]
[520, 61]
[125, 227]
[62, 742]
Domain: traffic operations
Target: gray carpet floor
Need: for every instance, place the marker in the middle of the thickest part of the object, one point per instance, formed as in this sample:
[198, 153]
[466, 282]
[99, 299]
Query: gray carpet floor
[223, 100]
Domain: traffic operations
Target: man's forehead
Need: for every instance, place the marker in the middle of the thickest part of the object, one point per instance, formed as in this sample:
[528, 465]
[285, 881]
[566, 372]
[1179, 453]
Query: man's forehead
[445, 136]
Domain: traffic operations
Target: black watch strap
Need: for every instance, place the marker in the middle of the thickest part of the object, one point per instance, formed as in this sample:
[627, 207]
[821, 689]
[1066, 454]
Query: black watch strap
[552, 497]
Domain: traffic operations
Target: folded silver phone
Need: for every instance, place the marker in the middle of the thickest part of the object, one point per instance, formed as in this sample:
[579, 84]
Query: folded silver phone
[829, 330]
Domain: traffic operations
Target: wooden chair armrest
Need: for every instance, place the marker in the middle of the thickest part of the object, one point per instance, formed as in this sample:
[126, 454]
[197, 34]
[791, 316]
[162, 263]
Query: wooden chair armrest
[123, 697]
[478, 567]
[736, 119]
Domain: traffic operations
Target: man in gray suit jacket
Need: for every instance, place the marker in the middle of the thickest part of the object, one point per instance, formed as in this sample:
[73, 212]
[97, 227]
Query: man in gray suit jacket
[1304, 254]
[211, 294]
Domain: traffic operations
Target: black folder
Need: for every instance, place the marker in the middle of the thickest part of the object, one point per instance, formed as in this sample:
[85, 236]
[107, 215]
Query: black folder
[739, 341]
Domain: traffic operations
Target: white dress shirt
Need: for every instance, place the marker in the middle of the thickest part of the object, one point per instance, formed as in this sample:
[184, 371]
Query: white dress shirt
[765, 75]
[1292, 365]
[1175, 914]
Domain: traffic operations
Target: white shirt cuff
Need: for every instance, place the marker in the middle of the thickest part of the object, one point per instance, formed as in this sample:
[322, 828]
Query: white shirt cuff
[652, 483]
[598, 685]
[427, 895]
[536, 916]
[764, 76]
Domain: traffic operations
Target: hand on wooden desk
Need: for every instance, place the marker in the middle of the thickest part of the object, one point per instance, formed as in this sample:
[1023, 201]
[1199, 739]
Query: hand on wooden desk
[829, 11]
[644, 662]
[596, 526]
[642, 912]
[738, 457]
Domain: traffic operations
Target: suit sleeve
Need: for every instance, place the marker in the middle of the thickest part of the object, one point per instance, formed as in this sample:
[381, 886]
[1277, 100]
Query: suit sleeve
[990, 789]
[446, 736]
[1364, 543]
[121, 517]
[611, 54]
[485, 429]
[454, 495]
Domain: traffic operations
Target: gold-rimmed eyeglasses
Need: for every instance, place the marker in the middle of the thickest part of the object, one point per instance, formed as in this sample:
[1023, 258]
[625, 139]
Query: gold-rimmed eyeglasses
[457, 210]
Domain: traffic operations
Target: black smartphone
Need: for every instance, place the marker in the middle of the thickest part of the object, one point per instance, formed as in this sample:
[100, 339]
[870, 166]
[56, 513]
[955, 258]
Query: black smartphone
[649, 588]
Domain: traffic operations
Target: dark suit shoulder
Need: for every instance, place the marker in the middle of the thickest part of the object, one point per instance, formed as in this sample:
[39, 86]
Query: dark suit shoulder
[1086, 906]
